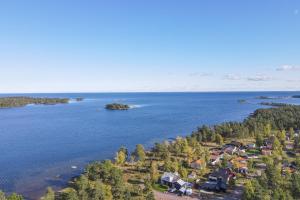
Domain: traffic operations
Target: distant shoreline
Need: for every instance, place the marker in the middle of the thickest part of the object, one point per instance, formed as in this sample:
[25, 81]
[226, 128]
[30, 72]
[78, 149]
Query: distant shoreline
[15, 102]
[145, 92]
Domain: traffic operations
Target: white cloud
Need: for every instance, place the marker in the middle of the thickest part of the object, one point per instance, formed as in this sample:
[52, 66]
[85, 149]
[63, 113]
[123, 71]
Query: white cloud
[259, 77]
[288, 68]
[232, 77]
[200, 74]
[293, 80]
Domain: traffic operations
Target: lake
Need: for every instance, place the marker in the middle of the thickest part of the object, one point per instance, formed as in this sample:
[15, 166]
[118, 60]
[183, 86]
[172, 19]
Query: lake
[44, 146]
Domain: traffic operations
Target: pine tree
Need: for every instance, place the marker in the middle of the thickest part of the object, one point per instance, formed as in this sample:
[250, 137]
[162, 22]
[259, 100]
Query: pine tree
[154, 174]
[120, 158]
[2, 195]
[219, 139]
[140, 152]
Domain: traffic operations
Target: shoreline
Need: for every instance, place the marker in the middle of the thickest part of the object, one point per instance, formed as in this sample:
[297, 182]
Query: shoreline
[149, 147]
[161, 195]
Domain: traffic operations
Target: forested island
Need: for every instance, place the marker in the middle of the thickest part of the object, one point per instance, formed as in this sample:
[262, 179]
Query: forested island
[117, 106]
[11, 102]
[264, 97]
[259, 155]
[279, 97]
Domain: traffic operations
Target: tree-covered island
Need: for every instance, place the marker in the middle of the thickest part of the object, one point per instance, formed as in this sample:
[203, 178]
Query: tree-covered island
[263, 97]
[117, 106]
[11, 102]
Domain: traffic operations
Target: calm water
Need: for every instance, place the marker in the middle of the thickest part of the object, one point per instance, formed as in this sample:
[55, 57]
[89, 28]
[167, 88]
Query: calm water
[40, 144]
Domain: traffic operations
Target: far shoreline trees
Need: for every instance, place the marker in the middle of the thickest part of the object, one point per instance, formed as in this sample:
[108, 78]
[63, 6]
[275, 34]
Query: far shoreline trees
[12, 102]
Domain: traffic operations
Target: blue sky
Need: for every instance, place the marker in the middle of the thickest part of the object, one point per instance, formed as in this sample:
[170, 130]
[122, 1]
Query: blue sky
[139, 45]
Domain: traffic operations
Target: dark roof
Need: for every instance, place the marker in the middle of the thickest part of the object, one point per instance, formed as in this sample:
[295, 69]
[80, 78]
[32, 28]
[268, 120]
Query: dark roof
[209, 185]
[221, 173]
[235, 143]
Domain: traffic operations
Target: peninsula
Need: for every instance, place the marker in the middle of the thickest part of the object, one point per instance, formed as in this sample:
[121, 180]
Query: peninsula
[12, 102]
[296, 96]
[274, 104]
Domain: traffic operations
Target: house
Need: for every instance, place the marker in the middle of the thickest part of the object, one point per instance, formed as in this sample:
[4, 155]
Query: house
[288, 167]
[183, 188]
[289, 146]
[240, 165]
[210, 185]
[185, 191]
[235, 143]
[251, 155]
[222, 175]
[169, 179]
[269, 142]
[215, 156]
[261, 166]
[178, 185]
[229, 149]
[198, 164]
[251, 146]
[239, 162]
[241, 152]
[266, 152]
[218, 180]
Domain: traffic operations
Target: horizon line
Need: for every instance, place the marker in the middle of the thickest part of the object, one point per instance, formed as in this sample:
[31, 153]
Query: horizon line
[95, 92]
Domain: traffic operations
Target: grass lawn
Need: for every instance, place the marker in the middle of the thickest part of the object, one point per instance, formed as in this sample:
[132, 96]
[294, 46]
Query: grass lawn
[160, 188]
[254, 151]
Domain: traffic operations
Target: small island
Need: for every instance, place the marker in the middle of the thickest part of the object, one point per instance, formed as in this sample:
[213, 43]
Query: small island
[12, 102]
[264, 97]
[242, 101]
[79, 99]
[117, 106]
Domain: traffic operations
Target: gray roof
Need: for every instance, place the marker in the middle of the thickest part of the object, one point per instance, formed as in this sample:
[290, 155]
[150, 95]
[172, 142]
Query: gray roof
[170, 177]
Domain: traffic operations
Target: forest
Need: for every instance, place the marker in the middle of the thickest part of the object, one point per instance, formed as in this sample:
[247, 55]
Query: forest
[11, 102]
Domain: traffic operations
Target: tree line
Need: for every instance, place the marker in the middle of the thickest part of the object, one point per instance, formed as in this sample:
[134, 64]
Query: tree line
[10, 102]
